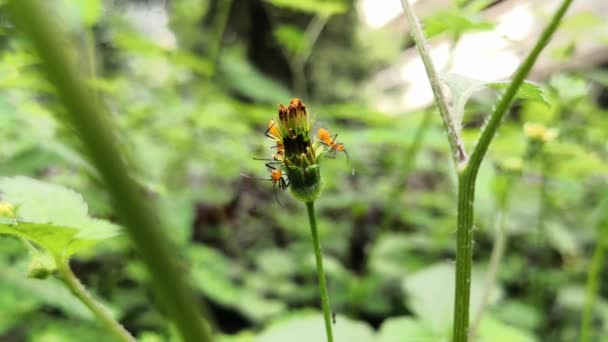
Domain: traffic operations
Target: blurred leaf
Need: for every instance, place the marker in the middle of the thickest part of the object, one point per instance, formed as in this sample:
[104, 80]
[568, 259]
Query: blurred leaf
[569, 88]
[326, 7]
[309, 326]
[52, 216]
[243, 78]
[455, 21]
[492, 330]
[292, 39]
[430, 294]
[398, 329]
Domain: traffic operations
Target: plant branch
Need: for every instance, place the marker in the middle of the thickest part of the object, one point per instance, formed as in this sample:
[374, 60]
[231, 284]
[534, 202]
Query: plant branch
[459, 154]
[468, 176]
[100, 312]
[90, 122]
[505, 102]
[310, 206]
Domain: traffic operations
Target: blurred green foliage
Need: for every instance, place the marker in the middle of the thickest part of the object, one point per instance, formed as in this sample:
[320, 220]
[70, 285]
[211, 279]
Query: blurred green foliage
[189, 125]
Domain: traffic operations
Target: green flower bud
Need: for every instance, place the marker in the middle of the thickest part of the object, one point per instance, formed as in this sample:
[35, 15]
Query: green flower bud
[295, 163]
[300, 157]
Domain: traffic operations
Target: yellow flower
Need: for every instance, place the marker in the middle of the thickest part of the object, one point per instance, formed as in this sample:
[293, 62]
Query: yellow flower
[540, 132]
[7, 210]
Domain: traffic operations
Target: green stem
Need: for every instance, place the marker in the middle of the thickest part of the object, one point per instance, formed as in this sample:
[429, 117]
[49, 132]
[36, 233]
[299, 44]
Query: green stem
[464, 252]
[468, 175]
[505, 102]
[310, 206]
[100, 312]
[222, 20]
[90, 122]
[593, 284]
[459, 154]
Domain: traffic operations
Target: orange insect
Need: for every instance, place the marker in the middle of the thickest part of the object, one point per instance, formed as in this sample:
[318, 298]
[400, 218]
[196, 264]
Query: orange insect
[277, 177]
[273, 131]
[330, 142]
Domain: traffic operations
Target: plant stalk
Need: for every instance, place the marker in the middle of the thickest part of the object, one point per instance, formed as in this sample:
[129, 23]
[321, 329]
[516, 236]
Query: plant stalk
[597, 263]
[310, 206]
[102, 314]
[468, 176]
[89, 121]
[459, 154]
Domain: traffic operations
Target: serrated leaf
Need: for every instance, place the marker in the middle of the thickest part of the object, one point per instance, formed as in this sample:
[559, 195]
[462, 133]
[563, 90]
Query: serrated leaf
[463, 87]
[330, 7]
[53, 217]
[527, 91]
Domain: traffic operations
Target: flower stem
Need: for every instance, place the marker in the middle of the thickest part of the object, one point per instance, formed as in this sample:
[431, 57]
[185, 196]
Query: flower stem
[310, 206]
[100, 312]
[597, 263]
[459, 154]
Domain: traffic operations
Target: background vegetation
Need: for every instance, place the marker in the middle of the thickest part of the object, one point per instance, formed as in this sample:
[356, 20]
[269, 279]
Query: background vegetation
[191, 104]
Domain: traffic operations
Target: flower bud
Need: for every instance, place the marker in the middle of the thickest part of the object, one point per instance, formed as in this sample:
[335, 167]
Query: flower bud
[300, 157]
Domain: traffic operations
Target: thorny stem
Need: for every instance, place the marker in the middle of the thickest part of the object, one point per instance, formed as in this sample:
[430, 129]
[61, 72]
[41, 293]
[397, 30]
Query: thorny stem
[101, 313]
[89, 121]
[310, 206]
[593, 278]
[468, 175]
[498, 250]
[459, 154]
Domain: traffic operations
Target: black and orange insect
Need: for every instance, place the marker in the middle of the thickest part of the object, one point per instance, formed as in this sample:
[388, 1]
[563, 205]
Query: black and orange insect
[327, 140]
[278, 179]
[273, 131]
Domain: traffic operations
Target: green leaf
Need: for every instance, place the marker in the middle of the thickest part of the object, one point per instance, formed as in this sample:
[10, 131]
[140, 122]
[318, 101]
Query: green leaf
[455, 21]
[527, 91]
[463, 87]
[398, 328]
[430, 294]
[492, 330]
[248, 81]
[292, 39]
[53, 217]
[325, 7]
[309, 326]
